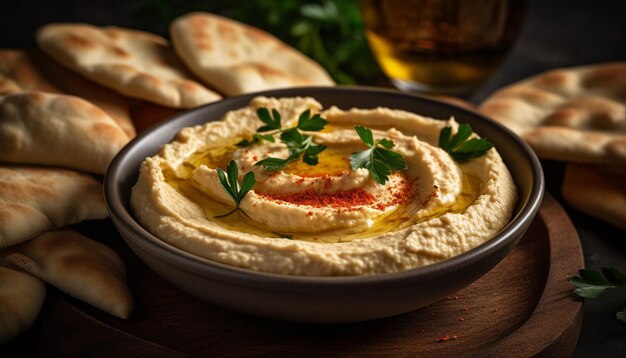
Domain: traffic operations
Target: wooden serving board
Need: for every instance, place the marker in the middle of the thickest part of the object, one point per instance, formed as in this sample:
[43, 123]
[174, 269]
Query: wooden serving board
[522, 307]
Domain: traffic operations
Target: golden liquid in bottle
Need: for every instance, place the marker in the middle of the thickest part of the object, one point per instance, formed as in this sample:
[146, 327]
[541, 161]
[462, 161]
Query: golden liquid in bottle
[440, 46]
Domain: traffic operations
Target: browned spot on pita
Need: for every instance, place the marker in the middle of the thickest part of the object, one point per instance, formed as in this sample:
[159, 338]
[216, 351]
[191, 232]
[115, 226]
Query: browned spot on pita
[530, 94]
[565, 117]
[189, 86]
[76, 41]
[556, 78]
[605, 76]
[198, 21]
[257, 35]
[233, 54]
[227, 31]
[150, 80]
[105, 131]
[113, 33]
[114, 50]
[267, 71]
[204, 44]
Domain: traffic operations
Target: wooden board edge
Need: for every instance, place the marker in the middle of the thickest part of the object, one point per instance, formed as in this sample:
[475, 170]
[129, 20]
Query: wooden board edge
[554, 326]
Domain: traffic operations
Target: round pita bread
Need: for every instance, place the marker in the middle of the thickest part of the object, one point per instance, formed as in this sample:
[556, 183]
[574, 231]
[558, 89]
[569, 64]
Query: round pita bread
[236, 58]
[576, 114]
[134, 63]
[51, 129]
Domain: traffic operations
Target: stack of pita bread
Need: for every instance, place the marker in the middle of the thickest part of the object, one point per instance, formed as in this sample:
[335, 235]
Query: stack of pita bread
[577, 115]
[67, 108]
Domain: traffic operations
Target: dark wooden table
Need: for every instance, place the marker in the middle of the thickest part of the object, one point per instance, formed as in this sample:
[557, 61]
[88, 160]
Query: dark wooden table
[557, 33]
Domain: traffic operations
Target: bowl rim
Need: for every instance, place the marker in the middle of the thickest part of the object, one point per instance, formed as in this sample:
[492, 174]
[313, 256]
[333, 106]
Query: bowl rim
[198, 264]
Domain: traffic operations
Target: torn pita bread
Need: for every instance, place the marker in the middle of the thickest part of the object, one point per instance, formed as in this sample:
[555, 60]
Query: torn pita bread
[60, 130]
[33, 71]
[597, 191]
[236, 58]
[576, 114]
[34, 200]
[21, 298]
[134, 63]
[78, 266]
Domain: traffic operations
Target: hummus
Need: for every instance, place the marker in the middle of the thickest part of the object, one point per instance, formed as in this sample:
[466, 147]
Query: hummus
[323, 220]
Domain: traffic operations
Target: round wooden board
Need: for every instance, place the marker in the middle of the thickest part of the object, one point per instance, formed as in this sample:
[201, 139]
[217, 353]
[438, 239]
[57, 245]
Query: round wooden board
[522, 307]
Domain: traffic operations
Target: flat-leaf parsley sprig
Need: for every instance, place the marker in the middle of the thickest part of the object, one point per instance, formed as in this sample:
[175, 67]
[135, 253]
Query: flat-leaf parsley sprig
[229, 181]
[379, 159]
[593, 284]
[459, 147]
[299, 144]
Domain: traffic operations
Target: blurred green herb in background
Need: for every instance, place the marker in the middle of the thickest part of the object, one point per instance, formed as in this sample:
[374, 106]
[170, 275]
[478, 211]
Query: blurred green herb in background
[328, 31]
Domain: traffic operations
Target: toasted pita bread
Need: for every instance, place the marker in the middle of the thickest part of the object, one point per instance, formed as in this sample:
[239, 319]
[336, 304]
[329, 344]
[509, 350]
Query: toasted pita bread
[21, 298]
[134, 63]
[597, 191]
[50, 129]
[33, 71]
[576, 114]
[35, 200]
[18, 74]
[114, 104]
[78, 266]
[236, 58]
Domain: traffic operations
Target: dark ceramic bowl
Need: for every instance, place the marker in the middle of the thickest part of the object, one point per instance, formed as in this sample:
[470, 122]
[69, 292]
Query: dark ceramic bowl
[323, 299]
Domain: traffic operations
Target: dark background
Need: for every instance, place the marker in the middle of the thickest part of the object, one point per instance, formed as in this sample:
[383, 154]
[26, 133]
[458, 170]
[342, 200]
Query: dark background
[557, 33]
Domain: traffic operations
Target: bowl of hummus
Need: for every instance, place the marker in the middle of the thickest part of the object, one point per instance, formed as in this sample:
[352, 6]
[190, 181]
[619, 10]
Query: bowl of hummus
[324, 204]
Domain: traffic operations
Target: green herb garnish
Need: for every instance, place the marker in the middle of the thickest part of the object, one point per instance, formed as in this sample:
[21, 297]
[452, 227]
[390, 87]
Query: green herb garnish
[299, 145]
[378, 159]
[229, 181]
[593, 284]
[459, 147]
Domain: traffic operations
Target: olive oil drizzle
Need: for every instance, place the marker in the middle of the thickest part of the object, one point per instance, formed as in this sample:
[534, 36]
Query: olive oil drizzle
[403, 216]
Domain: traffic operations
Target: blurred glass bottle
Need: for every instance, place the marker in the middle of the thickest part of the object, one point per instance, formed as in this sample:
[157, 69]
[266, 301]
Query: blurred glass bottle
[441, 46]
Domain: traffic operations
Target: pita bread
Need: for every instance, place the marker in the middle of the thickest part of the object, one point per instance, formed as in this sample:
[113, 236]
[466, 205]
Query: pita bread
[35, 200]
[236, 58]
[114, 104]
[33, 71]
[597, 191]
[18, 74]
[78, 266]
[576, 114]
[50, 129]
[134, 63]
[21, 298]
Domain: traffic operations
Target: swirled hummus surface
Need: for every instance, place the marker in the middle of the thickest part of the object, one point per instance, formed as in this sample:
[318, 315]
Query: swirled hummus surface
[326, 219]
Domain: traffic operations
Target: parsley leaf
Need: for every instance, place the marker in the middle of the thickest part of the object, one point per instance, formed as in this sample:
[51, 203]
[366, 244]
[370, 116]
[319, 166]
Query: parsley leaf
[272, 164]
[314, 124]
[459, 147]
[378, 159]
[229, 181]
[272, 122]
[593, 284]
[298, 144]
